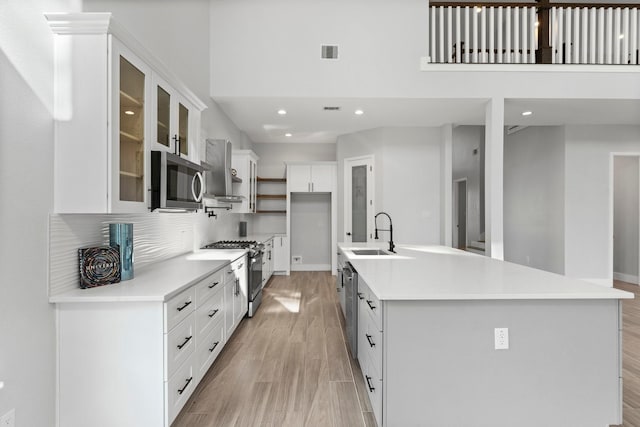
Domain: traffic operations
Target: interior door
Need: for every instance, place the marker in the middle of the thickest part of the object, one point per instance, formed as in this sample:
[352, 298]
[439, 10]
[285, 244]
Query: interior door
[358, 199]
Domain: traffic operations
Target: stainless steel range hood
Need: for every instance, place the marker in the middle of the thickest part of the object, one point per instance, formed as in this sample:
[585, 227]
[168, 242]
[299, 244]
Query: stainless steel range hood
[217, 172]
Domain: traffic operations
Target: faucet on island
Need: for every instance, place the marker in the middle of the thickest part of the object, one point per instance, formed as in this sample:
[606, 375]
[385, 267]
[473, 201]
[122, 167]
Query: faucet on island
[390, 230]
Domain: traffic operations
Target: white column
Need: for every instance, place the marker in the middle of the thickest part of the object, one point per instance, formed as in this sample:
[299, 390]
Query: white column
[446, 188]
[493, 185]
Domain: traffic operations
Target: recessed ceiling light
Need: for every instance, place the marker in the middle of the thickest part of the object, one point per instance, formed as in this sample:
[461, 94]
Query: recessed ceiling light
[287, 135]
[359, 112]
[282, 112]
[527, 113]
[621, 36]
[129, 113]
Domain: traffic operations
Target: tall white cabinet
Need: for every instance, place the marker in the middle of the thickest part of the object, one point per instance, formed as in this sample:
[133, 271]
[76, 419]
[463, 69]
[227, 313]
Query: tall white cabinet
[110, 112]
[313, 177]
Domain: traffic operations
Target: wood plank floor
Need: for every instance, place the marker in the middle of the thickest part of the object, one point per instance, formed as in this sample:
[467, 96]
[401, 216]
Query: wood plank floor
[287, 366]
[630, 355]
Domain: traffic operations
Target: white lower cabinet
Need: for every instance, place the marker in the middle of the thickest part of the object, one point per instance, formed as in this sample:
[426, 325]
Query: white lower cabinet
[370, 346]
[136, 363]
[281, 253]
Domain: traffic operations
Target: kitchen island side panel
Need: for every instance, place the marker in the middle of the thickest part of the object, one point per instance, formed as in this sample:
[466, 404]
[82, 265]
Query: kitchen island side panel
[562, 366]
[110, 364]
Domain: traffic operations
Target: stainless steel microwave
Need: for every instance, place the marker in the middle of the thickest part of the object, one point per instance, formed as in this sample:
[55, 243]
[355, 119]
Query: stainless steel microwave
[176, 183]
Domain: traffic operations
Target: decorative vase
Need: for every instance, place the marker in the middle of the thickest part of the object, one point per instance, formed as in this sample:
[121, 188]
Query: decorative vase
[121, 235]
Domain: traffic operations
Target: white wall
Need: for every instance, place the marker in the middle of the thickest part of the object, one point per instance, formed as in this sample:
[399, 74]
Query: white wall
[588, 197]
[311, 231]
[407, 179]
[534, 198]
[27, 321]
[468, 165]
[626, 214]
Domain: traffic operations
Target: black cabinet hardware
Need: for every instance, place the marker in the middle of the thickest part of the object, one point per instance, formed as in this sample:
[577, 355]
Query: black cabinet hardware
[213, 285]
[368, 378]
[184, 306]
[371, 306]
[215, 344]
[371, 343]
[185, 386]
[185, 342]
[360, 295]
[214, 312]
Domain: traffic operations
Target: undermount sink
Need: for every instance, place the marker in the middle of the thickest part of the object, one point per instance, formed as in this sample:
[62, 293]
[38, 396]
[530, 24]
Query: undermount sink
[369, 252]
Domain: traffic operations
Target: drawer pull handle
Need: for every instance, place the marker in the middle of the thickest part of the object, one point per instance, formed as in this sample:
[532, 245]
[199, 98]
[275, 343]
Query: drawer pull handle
[240, 266]
[213, 313]
[368, 378]
[185, 386]
[371, 306]
[215, 344]
[213, 285]
[185, 342]
[184, 306]
[360, 295]
[230, 271]
[371, 343]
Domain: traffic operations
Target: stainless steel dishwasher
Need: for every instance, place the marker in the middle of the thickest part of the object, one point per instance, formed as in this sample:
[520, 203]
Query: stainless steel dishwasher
[350, 280]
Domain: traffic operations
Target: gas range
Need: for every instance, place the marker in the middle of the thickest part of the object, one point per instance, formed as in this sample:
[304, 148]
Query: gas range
[232, 244]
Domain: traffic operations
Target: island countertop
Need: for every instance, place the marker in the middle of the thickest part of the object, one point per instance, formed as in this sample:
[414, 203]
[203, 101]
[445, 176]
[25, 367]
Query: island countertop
[442, 273]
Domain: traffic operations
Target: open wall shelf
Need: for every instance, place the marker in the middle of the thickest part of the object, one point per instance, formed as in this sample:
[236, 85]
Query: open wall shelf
[271, 197]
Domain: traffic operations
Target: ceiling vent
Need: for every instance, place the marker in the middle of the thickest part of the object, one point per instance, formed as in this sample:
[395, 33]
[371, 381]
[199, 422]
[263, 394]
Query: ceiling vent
[329, 52]
[513, 129]
[331, 108]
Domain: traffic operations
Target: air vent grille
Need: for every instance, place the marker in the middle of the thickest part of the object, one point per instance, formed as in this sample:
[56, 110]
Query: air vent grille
[329, 52]
[331, 108]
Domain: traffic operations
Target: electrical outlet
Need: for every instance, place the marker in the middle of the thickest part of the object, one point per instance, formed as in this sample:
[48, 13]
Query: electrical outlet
[297, 259]
[501, 338]
[8, 419]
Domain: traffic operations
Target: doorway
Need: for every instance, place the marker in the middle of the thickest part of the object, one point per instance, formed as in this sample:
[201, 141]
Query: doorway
[460, 213]
[358, 199]
[626, 214]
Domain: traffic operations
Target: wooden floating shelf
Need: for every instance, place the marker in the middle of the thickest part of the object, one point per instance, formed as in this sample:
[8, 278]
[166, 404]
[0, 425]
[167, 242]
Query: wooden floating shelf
[278, 180]
[270, 211]
[272, 196]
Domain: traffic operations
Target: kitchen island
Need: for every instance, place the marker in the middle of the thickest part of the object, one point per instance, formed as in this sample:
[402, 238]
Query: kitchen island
[431, 355]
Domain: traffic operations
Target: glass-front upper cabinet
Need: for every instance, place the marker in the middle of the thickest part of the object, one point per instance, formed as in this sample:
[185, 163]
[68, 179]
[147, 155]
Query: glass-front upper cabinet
[173, 131]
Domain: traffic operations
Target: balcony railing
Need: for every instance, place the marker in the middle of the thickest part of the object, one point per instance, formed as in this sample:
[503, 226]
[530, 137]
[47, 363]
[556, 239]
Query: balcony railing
[527, 33]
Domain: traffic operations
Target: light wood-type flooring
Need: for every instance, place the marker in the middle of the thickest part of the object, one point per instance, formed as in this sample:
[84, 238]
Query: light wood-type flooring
[287, 366]
[630, 355]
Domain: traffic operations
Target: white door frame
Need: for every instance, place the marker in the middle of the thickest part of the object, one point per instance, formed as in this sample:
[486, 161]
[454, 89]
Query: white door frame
[369, 161]
[612, 156]
[454, 226]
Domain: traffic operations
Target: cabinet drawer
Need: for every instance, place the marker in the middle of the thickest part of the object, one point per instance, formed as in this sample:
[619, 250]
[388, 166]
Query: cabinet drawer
[371, 343]
[373, 384]
[178, 307]
[209, 313]
[209, 347]
[179, 344]
[179, 388]
[209, 286]
[371, 303]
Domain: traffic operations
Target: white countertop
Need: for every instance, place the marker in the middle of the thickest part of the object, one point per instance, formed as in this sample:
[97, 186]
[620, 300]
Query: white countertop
[443, 273]
[157, 282]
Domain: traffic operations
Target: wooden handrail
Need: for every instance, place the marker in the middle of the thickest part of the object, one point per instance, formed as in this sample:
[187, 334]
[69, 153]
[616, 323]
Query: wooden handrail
[534, 4]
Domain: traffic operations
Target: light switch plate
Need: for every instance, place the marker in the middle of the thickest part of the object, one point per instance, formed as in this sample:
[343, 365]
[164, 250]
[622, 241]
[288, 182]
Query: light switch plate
[501, 338]
[8, 419]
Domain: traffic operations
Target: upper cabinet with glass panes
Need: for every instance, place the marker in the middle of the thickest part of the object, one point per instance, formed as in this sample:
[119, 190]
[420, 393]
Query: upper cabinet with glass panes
[173, 122]
[103, 166]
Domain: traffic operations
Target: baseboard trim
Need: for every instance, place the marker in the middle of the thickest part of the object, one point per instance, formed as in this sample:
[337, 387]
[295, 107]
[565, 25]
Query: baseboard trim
[310, 267]
[629, 278]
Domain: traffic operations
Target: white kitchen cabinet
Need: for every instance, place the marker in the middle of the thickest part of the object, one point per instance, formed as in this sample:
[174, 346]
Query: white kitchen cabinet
[139, 360]
[236, 299]
[245, 162]
[174, 121]
[316, 177]
[105, 119]
[281, 254]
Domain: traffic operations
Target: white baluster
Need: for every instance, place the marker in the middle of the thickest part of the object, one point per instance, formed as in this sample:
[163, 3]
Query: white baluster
[553, 18]
[507, 28]
[584, 38]
[474, 55]
[625, 35]
[568, 42]
[449, 34]
[466, 35]
[525, 33]
[458, 44]
[616, 36]
[483, 35]
[592, 32]
[576, 36]
[499, 55]
[633, 35]
[432, 31]
[533, 45]
[516, 35]
[441, 34]
[492, 46]
[601, 31]
[560, 35]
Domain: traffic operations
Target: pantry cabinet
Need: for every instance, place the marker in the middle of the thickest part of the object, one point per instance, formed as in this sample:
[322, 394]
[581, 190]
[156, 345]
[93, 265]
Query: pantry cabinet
[114, 102]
